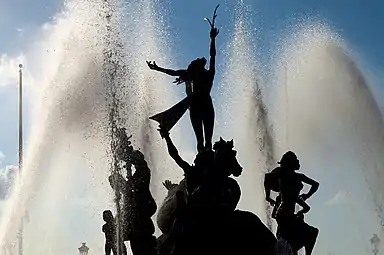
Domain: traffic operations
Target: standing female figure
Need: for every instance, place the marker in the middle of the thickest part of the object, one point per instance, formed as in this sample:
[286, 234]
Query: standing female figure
[291, 226]
[199, 82]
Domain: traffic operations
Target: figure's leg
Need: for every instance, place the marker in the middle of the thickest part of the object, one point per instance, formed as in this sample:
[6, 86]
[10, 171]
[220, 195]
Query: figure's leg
[197, 125]
[107, 249]
[311, 240]
[114, 249]
[143, 241]
[208, 122]
[123, 249]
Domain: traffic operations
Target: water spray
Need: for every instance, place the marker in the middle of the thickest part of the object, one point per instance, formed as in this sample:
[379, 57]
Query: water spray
[112, 67]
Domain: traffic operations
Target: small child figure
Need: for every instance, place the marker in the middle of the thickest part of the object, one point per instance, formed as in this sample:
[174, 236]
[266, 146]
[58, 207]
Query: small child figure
[109, 229]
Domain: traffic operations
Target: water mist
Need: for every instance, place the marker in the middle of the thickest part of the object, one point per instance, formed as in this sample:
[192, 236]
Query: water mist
[243, 117]
[68, 130]
[146, 39]
[66, 167]
[336, 128]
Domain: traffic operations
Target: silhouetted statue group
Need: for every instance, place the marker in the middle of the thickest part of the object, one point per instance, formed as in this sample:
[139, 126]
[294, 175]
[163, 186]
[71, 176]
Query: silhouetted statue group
[199, 215]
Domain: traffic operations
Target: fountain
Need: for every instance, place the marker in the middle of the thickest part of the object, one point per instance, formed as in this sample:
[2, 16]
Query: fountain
[335, 126]
[69, 159]
[242, 105]
[69, 144]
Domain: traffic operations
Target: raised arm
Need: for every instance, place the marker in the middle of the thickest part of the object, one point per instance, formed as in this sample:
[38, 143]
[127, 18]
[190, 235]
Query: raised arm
[268, 180]
[174, 153]
[314, 186]
[212, 50]
[268, 197]
[154, 66]
[304, 205]
[213, 33]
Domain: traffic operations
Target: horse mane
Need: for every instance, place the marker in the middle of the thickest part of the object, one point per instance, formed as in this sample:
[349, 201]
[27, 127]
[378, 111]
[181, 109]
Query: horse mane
[223, 145]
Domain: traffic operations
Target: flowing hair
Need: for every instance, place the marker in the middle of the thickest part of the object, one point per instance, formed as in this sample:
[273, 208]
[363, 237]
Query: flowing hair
[187, 76]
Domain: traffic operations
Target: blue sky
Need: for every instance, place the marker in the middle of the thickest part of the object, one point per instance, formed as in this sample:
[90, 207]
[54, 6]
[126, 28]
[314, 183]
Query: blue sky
[355, 20]
[358, 22]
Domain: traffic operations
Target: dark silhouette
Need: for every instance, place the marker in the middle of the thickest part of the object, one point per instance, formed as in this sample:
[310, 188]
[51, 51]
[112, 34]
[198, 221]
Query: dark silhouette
[210, 167]
[142, 238]
[291, 226]
[198, 83]
[168, 209]
[138, 203]
[201, 209]
[198, 215]
[194, 174]
[271, 182]
[109, 229]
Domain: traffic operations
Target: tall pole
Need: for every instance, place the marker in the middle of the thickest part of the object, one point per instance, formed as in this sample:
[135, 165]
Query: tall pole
[20, 147]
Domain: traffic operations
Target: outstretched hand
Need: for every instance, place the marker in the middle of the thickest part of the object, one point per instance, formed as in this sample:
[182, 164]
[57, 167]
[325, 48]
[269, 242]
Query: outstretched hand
[214, 32]
[151, 65]
[169, 185]
[178, 81]
[164, 133]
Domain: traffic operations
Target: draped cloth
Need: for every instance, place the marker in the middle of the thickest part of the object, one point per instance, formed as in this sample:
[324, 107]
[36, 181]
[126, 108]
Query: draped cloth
[168, 118]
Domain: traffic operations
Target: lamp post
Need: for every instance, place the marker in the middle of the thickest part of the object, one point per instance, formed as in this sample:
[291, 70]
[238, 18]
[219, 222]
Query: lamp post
[83, 250]
[20, 237]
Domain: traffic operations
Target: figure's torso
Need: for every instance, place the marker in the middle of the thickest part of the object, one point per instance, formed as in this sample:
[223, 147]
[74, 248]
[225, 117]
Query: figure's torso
[201, 85]
[290, 187]
[109, 231]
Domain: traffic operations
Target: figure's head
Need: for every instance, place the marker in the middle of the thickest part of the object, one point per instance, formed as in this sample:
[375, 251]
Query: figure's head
[107, 216]
[204, 159]
[197, 65]
[123, 143]
[290, 161]
[225, 158]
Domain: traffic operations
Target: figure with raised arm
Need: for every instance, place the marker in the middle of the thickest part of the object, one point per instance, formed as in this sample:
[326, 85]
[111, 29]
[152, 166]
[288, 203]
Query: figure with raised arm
[194, 174]
[138, 203]
[198, 81]
[291, 225]
[199, 214]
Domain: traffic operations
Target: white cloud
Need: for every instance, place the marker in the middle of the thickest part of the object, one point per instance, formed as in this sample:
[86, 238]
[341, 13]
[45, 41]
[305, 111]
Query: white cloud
[7, 179]
[9, 69]
[341, 197]
[20, 31]
[9, 73]
[2, 156]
